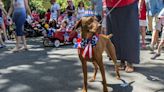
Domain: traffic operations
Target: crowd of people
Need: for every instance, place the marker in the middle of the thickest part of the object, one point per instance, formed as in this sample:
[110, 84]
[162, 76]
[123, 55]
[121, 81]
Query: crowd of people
[123, 18]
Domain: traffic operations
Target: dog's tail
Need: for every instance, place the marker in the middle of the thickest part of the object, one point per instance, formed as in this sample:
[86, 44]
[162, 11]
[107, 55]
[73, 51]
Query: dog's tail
[110, 36]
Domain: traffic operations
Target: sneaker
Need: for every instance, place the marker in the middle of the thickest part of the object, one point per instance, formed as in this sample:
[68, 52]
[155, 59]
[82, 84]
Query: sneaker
[2, 46]
[155, 56]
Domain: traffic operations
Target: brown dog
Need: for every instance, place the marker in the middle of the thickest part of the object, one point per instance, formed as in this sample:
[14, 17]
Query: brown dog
[90, 27]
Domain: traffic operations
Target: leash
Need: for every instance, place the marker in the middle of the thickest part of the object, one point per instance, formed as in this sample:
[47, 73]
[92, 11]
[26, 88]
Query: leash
[111, 9]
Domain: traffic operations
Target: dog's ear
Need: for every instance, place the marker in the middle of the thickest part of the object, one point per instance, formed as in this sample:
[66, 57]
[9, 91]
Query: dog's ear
[77, 25]
[90, 20]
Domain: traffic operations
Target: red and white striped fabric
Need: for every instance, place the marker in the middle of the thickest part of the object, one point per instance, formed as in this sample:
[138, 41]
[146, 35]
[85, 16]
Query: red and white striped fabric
[87, 51]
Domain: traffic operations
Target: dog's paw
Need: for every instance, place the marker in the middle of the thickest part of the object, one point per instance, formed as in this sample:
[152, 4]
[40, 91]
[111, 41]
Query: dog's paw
[105, 89]
[84, 90]
[118, 78]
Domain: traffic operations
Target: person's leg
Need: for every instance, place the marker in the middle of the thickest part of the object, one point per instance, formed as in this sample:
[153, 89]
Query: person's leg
[143, 34]
[154, 40]
[160, 46]
[150, 28]
[155, 34]
[23, 37]
[1, 40]
[158, 50]
[24, 42]
[4, 31]
[18, 39]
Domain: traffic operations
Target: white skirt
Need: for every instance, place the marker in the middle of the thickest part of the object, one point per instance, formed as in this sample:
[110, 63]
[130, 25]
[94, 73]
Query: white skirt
[143, 23]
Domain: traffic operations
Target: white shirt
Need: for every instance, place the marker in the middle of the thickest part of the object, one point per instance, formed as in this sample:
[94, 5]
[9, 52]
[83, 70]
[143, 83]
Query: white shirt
[29, 19]
[54, 8]
[80, 12]
[18, 4]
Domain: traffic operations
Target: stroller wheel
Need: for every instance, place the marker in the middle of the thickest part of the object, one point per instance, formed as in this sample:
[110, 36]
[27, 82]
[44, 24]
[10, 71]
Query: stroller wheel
[74, 40]
[56, 43]
[46, 42]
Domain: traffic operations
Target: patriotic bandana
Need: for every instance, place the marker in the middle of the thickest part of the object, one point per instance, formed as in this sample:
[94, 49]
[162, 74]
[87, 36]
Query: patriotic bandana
[87, 46]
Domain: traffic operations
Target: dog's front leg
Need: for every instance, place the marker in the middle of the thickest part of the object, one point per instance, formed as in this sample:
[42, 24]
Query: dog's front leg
[84, 67]
[95, 72]
[102, 70]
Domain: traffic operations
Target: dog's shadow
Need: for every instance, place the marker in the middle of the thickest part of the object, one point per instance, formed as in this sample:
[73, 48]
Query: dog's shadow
[124, 87]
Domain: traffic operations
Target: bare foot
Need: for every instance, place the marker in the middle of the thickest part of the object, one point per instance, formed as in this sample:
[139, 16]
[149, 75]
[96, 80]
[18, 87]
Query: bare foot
[24, 49]
[15, 50]
[84, 90]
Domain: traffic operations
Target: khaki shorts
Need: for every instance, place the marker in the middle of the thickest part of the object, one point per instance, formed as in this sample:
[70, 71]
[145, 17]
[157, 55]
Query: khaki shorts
[152, 23]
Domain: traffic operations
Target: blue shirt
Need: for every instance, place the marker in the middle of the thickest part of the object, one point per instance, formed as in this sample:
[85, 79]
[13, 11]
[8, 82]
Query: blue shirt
[98, 6]
[154, 6]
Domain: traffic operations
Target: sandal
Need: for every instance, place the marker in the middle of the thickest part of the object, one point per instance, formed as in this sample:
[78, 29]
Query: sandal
[122, 65]
[129, 69]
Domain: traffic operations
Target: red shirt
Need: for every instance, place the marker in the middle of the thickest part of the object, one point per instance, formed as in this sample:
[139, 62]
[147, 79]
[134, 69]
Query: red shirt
[143, 11]
[111, 3]
[48, 16]
[36, 16]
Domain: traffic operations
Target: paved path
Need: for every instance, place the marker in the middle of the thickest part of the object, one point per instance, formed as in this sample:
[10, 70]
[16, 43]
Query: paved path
[59, 70]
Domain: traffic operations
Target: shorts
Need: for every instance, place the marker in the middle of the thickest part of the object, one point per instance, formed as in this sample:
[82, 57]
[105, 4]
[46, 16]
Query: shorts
[160, 24]
[143, 23]
[161, 27]
[1, 21]
[152, 23]
[19, 18]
